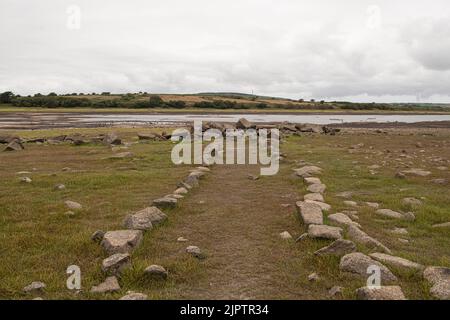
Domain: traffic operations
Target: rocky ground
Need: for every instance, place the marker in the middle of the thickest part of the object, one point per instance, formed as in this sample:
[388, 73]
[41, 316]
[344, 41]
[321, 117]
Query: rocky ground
[140, 227]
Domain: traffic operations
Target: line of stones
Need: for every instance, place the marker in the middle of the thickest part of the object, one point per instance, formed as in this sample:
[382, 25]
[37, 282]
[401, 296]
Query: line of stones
[353, 262]
[119, 244]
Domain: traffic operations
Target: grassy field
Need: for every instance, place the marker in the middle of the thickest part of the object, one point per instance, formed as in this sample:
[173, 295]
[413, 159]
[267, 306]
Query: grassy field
[234, 220]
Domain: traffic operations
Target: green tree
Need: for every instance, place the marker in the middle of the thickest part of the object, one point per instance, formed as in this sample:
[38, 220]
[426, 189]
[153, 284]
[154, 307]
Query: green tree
[6, 97]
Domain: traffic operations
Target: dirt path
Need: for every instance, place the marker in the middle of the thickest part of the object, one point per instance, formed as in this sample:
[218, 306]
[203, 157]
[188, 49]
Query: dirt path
[238, 228]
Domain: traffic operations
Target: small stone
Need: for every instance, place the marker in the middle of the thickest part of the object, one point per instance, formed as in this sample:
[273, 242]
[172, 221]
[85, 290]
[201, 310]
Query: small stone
[335, 291]
[338, 248]
[35, 287]
[380, 293]
[416, 172]
[72, 205]
[134, 296]
[308, 171]
[400, 175]
[324, 232]
[252, 177]
[389, 213]
[440, 181]
[97, 236]
[69, 213]
[439, 279]
[109, 285]
[285, 235]
[156, 272]
[350, 203]
[324, 206]
[372, 205]
[401, 231]
[145, 219]
[121, 155]
[411, 202]
[59, 187]
[442, 225]
[182, 239]
[345, 194]
[195, 252]
[313, 277]
[26, 180]
[361, 237]
[405, 241]
[359, 264]
[165, 203]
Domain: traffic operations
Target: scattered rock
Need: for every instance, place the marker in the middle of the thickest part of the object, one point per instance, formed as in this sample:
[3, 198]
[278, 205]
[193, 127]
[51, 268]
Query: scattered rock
[313, 277]
[317, 188]
[345, 194]
[350, 203]
[244, 124]
[109, 285]
[342, 219]
[195, 252]
[112, 138]
[97, 236]
[14, 146]
[121, 241]
[401, 231]
[380, 293]
[389, 213]
[72, 205]
[36, 287]
[314, 197]
[310, 213]
[411, 202]
[400, 175]
[442, 225]
[121, 155]
[69, 213]
[440, 181]
[396, 261]
[26, 180]
[439, 279]
[165, 203]
[59, 187]
[324, 232]
[358, 264]
[335, 291]
[338, 248]
[134, 296]
[285, 235]
[361, 237]
[372, 205]
[252, 177]
[116, 263]
[182, 239]
[416, 172]
[156, 272]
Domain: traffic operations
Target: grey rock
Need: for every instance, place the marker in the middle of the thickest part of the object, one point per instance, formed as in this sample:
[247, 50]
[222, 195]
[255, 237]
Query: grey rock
[108, 286]
[313, 277]
[381, 293]
[361, 237]
[285, 235]
[181, 190]
[14, 146]
[36, 287]
[442, 225]
[335, 291]
[121, 241]
[116, 263]
[59, 187]
[396, 261]
[324, 206]
[72, 205]
[145, 219]
[134, 296]
[324, 232]
[312, 180]
[314, 197]
[112, 138]
[338, 248]
[317, 188]
[156, 272]
[342, 220]
[411, 202]
[308, 171]
[97, 236]
[358, 264]
[26, 180]
[349, 203]
[416, 172]
[244, 124]
[439, 279]
[165, 203]
[310, 213]
[195, 252]
[389, 213]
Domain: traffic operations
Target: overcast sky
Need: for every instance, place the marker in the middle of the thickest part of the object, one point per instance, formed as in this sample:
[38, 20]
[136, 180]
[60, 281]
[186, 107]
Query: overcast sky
[379, 50]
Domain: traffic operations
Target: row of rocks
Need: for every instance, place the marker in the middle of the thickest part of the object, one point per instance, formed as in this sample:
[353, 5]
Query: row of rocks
[356, 263]
[119, 244]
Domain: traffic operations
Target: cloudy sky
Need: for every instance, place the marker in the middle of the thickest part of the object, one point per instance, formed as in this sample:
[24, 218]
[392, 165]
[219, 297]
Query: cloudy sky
[378, 50]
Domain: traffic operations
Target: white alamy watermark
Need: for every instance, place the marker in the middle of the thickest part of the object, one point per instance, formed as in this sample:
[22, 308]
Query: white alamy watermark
[74, 280]
[231, 146]
[73, 21]
[374, 280]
